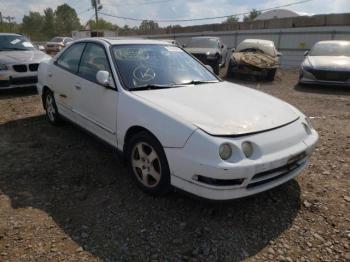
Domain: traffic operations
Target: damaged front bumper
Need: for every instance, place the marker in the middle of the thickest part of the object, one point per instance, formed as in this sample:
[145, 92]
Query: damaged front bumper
[279, 155]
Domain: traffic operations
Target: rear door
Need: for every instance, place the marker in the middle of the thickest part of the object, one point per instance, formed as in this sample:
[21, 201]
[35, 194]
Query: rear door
[63, 78]
[96, 105]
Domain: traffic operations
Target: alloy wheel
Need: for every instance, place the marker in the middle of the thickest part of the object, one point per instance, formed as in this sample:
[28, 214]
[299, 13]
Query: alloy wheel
[146, 164]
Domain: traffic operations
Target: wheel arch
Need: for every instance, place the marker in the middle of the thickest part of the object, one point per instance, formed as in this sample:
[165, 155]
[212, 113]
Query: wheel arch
[132, 131]
[44, 90]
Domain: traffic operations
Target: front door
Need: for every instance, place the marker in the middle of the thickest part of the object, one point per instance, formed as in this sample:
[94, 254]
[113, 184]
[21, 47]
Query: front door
[66, 68]
[96, 105]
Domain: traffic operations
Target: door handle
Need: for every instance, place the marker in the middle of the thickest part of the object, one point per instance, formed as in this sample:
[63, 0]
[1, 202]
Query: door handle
[77, 87]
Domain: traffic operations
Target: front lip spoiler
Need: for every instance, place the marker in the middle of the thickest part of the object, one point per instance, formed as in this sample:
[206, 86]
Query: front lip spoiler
[251, 133]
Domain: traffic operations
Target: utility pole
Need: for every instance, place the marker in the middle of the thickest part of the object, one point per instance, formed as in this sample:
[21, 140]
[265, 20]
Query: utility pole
[96, 4]
[0, 18]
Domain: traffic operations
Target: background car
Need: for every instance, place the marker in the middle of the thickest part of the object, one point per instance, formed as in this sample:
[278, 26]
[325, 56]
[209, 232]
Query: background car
[209, 50]
[175, 121]
[327, 63]
[255, 57]
[56, 44]
[19, 61]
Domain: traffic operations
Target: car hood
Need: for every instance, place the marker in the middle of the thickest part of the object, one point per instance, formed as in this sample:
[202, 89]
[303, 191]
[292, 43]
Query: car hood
[223, 108]
[193, 50]
[329, 62]
[31, 56]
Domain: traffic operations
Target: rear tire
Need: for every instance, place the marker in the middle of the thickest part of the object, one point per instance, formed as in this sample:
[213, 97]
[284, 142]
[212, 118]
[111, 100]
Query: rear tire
[50, 106]
[148, 164]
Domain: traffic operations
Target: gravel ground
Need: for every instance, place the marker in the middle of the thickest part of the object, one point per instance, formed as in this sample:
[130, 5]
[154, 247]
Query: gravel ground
[65, 196]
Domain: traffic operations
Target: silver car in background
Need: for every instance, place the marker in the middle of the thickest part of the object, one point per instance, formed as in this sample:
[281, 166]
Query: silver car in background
[327, 63]
[56, 44]
[19, 61]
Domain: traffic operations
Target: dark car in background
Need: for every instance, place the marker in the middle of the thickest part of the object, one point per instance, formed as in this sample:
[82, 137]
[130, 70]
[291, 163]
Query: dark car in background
[209, 50]
[327, 63]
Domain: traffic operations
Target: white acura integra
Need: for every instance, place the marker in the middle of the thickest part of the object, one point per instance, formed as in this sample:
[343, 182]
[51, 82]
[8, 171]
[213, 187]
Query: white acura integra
[176, 123]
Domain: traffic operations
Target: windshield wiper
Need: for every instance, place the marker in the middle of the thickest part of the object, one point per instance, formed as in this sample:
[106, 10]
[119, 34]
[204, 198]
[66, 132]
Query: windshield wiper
[152, 86]
[199, 82]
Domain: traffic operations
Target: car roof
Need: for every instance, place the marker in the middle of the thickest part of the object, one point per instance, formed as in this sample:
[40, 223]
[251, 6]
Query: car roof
[205, 37]
[262, 41]
[10, 34]
[333, 41]
[124, 40]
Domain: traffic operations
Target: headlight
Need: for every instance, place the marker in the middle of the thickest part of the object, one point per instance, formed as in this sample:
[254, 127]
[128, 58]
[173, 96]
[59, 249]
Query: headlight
[225, 151]
[308, 122]
[3, 67]
[247, 149]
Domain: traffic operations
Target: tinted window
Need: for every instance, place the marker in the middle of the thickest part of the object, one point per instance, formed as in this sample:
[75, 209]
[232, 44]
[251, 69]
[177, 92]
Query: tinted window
[67, 40]
[14, 43]
[94, 59]
[71, 57]
[57, 39]
[204, 42]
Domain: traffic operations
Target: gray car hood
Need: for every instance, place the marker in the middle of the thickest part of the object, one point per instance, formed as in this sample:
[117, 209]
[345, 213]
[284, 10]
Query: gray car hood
[223, 108]
[341, 63]
[198, 50]
[14, 57]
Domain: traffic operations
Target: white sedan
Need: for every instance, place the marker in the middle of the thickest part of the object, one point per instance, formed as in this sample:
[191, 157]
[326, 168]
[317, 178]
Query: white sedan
[177, 124]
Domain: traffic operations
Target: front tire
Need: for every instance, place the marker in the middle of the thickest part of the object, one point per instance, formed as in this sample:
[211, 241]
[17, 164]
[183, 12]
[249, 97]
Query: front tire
[271, 75]
[51, 108]
[148, 164]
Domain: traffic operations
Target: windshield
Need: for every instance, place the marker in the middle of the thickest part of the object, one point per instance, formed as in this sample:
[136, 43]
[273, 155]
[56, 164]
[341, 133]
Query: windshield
[203, 43]
[57, 39]
[143, 65]
[331, 49]
[15, 42]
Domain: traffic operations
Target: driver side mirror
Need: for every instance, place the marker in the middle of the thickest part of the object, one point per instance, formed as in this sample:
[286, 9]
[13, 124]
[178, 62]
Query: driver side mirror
[209, 68]
[104, 78]
[279, 54]
[306, 52]
[183, 46]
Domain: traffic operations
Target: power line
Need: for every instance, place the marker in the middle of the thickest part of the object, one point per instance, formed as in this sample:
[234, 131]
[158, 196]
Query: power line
[204, 18]
[143, 3]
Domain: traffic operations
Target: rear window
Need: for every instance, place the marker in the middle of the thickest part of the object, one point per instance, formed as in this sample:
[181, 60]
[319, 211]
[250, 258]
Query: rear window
[57, 39]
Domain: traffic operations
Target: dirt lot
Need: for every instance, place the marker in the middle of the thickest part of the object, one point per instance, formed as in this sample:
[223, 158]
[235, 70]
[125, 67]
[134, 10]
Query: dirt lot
[65, 196]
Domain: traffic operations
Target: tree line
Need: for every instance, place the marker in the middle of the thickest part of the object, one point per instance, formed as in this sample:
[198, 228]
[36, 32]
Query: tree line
[64, 20]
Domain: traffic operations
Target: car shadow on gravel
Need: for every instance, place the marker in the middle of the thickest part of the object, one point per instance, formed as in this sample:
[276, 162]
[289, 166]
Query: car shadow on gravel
[328, 90]
[17, 92]
[80, 182]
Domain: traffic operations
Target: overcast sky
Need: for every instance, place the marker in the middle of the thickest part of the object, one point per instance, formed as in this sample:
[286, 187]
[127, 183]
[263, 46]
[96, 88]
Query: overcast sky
[170, 9]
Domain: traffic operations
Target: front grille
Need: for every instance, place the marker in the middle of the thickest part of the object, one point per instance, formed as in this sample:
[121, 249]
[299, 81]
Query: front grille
[20, 68]
[278, 172]
[24, 80]
[33, 67]
[201, 57]
[331, 75]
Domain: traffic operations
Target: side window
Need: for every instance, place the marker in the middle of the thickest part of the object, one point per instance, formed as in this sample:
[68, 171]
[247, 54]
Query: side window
[70, 58]
[94, 59]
